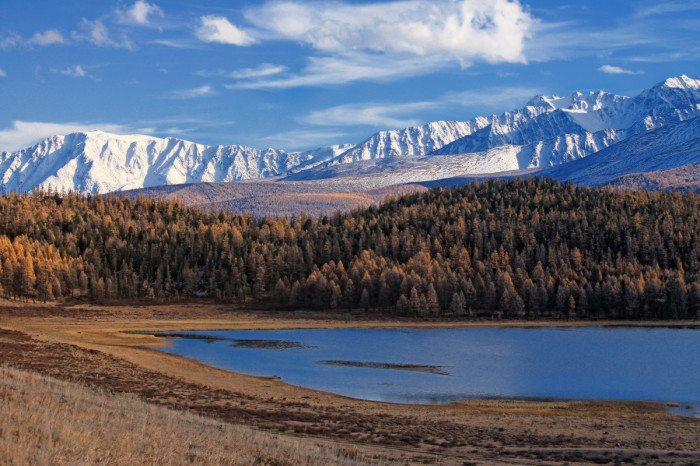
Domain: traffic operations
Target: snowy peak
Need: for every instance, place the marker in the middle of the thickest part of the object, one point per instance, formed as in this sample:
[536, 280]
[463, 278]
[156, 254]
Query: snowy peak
[576, 102]
[682, 82]
[99, 162]
[668, 147]
[413, 141]
[560, 129]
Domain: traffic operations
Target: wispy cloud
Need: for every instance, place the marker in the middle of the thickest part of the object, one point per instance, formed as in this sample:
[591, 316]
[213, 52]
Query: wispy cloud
[370, 114]
[379, 41]
[95, 31]
[688, 53]
[293, 140]
[48, 37]
[98, 34]
[668, 7]
[610, 69]
[76, 71]
[266, 69]
[178, 44]
[22, 134]
[653, 33]
[494, 98]
[219, 29]
[2, 73]
[202, 91]
[11, 40]
[348, 68]
[568, 40]
[399, 115]
[140, 13]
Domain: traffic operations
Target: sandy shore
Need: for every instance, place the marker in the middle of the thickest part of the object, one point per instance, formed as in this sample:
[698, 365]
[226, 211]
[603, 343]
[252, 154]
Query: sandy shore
[100, 346]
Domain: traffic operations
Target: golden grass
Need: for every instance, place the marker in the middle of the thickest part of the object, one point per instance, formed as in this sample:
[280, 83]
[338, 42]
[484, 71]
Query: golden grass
[47, 421]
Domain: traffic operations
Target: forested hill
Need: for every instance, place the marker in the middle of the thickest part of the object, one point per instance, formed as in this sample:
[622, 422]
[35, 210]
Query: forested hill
[509, 249]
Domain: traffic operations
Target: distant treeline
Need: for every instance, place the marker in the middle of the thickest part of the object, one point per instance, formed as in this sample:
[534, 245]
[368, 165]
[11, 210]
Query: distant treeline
[523, 249]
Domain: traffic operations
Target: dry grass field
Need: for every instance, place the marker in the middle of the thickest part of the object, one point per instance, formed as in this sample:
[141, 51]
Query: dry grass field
[48, 421]
[279, 198]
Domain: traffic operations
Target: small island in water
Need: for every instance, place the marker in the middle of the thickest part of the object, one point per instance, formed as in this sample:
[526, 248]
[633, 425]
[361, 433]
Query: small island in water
[439, 370]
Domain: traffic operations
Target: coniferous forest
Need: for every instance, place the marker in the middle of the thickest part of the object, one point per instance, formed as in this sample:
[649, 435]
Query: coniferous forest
[518, 249]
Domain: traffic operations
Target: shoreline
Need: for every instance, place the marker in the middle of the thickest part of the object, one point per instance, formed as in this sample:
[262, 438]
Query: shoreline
[96, 348]
[435, 369]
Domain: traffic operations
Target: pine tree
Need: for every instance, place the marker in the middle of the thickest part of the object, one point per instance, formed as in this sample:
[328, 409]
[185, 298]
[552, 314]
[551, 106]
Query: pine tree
[364, 300]
[431, 301]
[458, 304]
[414, 302]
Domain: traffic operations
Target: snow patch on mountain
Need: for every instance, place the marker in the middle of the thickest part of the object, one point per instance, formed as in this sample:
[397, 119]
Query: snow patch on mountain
[399, 170]
[562, 129]
[670, 146]
[98, 162]
[416, 140]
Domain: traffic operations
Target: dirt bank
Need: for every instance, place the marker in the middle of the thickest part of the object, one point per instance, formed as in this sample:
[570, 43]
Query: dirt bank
[95, 346]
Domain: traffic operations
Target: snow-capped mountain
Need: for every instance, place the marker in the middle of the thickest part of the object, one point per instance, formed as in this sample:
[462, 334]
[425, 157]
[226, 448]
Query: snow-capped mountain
[97, 162]
[413, 141]
[555, 130]
[670, 146]
[547, 131]
[381, 172]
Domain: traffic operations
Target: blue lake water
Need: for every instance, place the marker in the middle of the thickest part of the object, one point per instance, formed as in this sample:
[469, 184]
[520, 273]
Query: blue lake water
[656, 364]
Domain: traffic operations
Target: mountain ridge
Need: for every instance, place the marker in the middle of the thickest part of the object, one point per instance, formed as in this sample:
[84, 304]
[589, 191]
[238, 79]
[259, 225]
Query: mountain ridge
[547, 131]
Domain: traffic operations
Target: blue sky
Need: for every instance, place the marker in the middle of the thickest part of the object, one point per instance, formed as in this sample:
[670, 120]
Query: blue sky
[298, 75]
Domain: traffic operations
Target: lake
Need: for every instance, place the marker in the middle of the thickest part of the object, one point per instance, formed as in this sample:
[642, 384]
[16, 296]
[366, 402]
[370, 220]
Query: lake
[445, 365]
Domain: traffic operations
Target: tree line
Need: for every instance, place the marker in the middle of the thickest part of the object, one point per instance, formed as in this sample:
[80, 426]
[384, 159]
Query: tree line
[522, 249]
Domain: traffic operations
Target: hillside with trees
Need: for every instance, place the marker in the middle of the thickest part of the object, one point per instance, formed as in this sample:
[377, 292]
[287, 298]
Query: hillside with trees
[516, 249]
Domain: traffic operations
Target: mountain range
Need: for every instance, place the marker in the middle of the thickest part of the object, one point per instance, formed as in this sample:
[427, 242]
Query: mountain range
[589, 138]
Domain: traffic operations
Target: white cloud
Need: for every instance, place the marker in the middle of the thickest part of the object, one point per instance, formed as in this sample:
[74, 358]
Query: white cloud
[465, 30]
[380, 41]
[2, 73]
[178, 44]
[266, 69]
[668, 7]
[140, 13]
[219, 29]
[348, 68]
[97, 33]
[202, 91]
[370, 114]
[301, 139]
[398, 115]
[48, 37]
[688, 53]
[494, 98]
[567, 40]
[11, 41]
[610, 69]
[24, 134]
[76, 71]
